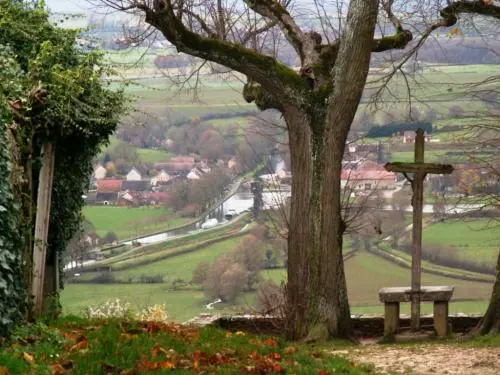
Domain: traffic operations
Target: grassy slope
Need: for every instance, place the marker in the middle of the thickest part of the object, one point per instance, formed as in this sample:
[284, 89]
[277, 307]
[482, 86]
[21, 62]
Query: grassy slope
[366, 274]
[127, 222]
[481, 242]
[182, 266]
[115, 346]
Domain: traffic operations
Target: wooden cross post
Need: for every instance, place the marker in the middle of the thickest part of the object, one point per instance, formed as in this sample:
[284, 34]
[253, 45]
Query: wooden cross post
[419, 170]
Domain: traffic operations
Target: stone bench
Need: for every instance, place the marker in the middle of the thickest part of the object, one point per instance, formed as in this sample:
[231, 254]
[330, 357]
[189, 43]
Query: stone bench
[392, 297]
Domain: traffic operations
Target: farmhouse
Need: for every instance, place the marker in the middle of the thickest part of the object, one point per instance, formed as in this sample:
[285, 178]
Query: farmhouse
[368, 176]
[108, 189]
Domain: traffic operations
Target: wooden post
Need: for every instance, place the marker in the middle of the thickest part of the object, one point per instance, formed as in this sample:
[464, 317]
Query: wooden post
[416, 257]
[420, 169]
[42, 224]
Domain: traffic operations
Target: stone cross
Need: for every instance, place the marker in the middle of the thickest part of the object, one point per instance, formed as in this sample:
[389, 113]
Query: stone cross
[419, 170]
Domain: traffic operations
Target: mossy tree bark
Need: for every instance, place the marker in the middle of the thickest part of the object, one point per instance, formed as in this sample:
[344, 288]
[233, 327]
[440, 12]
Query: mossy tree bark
[318, 105]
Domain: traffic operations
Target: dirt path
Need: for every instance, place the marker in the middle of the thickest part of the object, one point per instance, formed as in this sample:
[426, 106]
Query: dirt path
[427, 359]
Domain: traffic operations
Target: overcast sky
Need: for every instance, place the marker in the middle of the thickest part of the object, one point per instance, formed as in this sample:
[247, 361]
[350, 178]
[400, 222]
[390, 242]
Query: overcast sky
[67, 5]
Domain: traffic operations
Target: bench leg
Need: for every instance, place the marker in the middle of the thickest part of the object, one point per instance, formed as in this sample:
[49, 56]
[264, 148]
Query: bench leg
[391, 319]
[441, 318]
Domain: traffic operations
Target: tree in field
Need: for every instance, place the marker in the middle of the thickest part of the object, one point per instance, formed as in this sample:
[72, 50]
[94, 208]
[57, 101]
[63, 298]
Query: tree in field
[318, 103]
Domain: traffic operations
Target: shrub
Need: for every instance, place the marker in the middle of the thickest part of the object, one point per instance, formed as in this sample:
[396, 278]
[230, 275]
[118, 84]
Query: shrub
[271, 299]
[232, 282]
[156, 279]
[200, 273]
[110, 237]
[106, 277]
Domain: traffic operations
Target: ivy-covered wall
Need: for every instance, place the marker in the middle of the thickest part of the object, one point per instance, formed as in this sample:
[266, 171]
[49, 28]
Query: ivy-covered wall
[12, 296]
[50, 92]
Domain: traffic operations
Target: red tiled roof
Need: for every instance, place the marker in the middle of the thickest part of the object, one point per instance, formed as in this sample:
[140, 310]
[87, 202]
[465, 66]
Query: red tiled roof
[109, 186]
[182, 159]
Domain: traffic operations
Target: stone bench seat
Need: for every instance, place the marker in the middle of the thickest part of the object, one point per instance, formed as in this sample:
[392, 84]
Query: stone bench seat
[393, 296]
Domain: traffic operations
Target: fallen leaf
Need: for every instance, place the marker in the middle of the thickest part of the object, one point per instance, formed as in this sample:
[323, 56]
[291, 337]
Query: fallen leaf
[166, 365]
[291, 350]
[229, 334]
[253, 355]
[72, 336]
[323, 372]
[148, 365]
[271, 342]
[240, 333]
[57, 369]
[278, 369]
[4, 371]
[81, 344]
[29, 358]
[157, 350]
[275, 356]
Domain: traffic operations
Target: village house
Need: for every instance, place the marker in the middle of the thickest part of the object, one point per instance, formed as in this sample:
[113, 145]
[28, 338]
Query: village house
[369, 176]
[99, 172]
[177, 165]
[107, 190]
[161, 178]
[194, 174]
[133, 175]
[409, 136]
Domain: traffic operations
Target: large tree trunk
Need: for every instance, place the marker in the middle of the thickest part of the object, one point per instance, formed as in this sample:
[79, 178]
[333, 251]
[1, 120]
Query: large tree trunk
[300, 243]
[491, 320]
[317, 292]
[317, 303]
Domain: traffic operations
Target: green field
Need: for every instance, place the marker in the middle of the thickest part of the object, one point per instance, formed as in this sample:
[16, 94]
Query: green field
[366, 274]
[129, 222]
[440, 87]
[477, 240]
[153, 156]
[409, 156]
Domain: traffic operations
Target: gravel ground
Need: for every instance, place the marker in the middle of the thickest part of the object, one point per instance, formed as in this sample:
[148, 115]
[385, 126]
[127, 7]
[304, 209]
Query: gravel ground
[427, 359]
